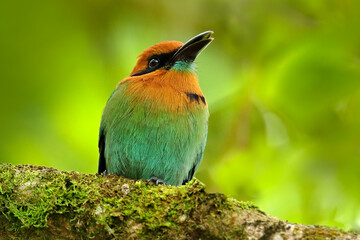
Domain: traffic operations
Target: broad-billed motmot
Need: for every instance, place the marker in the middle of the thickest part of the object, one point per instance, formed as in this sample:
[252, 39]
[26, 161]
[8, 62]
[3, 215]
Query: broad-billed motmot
[154, 125]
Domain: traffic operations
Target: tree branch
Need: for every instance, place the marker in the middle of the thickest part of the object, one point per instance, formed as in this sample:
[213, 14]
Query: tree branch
[44, 203]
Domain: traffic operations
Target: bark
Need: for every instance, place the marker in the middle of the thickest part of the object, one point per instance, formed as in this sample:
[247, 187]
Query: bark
[44, 203]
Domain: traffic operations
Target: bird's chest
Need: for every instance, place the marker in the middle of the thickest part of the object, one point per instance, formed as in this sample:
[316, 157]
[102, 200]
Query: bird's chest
[160, 119]
[147, 138]
[156, 121]
[156, 136]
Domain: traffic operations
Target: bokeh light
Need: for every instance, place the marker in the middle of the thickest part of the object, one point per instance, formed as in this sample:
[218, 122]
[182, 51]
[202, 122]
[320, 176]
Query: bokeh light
[282, 80]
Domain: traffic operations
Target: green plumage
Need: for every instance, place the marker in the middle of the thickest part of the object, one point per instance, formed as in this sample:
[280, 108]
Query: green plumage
[154, 125]
[141, 139]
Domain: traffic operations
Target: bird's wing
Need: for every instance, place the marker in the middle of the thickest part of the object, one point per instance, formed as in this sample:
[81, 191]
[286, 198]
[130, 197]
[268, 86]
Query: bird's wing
[197, 161]
[101, 145]
[102, 163]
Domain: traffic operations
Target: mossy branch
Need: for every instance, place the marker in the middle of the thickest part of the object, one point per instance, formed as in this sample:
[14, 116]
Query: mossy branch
[43, 203]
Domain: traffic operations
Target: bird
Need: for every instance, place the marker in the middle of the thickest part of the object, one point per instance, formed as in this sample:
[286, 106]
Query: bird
[154, 125]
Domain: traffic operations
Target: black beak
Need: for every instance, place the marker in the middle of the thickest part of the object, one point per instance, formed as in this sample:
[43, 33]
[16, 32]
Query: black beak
[192, 48]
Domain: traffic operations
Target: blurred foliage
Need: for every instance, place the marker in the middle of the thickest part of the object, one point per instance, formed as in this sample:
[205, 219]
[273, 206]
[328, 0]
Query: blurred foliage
[282, 80]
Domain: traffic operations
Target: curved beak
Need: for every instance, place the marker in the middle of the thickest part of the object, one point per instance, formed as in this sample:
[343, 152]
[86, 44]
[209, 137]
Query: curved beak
[192, 48]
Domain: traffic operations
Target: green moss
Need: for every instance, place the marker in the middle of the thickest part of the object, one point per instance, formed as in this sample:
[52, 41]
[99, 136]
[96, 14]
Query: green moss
[31, 194]
[40, 203]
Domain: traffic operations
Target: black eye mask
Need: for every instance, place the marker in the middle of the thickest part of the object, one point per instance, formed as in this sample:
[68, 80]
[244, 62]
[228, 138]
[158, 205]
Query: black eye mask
[156, 62]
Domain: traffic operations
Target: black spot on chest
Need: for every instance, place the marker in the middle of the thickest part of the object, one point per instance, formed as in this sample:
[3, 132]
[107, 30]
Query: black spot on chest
[196, 97]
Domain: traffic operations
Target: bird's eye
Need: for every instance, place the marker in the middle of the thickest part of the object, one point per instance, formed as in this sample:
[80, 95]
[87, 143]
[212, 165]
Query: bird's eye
[153, 62]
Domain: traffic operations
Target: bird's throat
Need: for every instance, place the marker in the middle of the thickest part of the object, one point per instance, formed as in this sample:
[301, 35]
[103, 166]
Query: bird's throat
[184, 66]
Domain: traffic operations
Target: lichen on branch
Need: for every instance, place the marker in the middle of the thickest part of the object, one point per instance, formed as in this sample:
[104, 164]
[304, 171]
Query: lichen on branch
[42, 203]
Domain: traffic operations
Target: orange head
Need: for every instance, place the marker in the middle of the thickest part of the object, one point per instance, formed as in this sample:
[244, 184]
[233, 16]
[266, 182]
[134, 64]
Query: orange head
[171, 55]
[164, 74]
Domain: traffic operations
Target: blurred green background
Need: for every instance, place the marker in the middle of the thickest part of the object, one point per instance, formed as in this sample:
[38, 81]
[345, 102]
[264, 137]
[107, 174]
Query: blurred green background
[282, 80]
